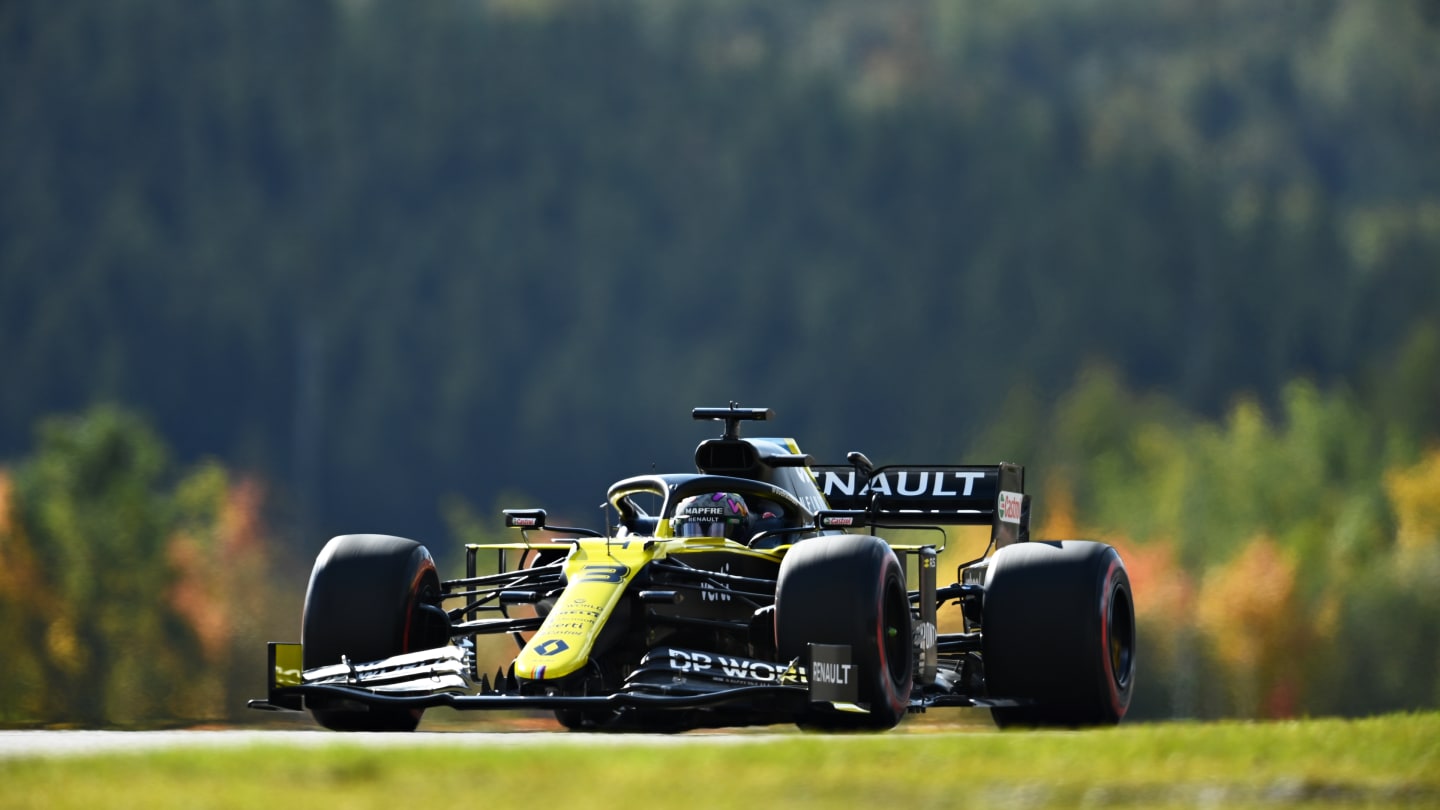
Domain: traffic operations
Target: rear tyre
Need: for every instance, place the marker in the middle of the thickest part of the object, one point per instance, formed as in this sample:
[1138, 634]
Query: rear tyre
[849, 589]
[1059, 630]
[370, 597]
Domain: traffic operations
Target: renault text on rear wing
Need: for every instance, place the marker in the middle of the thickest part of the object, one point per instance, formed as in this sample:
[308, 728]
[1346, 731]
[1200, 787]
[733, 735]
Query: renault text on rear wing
[971, 495]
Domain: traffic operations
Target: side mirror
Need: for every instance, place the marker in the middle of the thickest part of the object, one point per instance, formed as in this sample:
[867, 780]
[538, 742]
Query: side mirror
[525, 518]
[841, 518]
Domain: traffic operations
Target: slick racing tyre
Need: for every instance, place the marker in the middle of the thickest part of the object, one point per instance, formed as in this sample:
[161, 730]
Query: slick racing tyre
[1059, 632]
[370, 597]
[850, 590]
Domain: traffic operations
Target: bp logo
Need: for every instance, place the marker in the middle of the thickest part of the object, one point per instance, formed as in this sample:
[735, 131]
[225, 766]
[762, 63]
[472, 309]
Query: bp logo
[552, 647]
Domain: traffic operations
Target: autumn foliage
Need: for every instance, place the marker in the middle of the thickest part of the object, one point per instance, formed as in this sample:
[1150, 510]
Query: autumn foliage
[1285, 561]
[130, 593]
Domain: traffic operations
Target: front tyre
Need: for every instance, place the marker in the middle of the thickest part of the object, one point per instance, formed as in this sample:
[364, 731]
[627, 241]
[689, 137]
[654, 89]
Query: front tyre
[371, 596]
[850, 590]
[1059, 632]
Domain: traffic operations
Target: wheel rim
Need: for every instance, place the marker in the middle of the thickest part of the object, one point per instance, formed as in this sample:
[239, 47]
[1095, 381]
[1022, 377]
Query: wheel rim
[897, 642]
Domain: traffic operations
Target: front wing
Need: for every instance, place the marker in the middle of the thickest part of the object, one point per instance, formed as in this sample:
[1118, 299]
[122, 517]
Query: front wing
[667, 678]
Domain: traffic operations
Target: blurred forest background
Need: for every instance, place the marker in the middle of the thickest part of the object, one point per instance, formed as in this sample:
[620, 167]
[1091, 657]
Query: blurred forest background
[273, 271]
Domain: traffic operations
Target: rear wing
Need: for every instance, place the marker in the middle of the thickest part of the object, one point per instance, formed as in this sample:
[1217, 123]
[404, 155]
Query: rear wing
[924, 495]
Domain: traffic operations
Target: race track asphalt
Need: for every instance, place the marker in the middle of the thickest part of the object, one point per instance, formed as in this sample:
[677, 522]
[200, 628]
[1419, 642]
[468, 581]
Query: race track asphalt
[59, 743]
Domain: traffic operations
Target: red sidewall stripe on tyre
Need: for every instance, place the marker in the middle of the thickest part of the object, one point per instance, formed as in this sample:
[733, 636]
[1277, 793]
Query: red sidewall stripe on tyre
[410, 599]
[1112, 683]
[892, 696]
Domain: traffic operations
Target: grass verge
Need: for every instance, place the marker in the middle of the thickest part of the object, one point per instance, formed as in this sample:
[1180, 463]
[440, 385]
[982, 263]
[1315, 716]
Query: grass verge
[1391, 761]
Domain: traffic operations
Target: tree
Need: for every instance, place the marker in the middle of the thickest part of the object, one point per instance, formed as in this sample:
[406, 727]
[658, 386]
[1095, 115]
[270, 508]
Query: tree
[125, 597]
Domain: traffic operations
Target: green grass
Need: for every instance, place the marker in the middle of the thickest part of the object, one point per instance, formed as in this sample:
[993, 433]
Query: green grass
[1391, 761]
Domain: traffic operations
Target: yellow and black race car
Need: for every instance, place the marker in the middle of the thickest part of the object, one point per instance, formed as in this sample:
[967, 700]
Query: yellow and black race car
[757, 590]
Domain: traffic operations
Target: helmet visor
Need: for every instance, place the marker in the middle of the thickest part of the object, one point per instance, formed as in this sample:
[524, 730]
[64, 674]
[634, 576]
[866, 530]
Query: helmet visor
[701, 527]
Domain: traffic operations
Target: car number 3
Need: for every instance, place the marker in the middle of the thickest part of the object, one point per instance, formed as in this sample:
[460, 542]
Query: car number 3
[604, 573]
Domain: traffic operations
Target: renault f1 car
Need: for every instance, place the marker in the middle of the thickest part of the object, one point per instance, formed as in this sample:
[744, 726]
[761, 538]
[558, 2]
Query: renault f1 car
[756, 590]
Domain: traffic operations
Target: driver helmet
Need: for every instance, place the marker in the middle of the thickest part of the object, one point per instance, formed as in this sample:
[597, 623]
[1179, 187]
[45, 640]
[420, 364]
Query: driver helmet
[718, 514]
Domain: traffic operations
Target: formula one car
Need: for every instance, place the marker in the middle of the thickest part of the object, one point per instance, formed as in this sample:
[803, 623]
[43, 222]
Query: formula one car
[753, 591]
